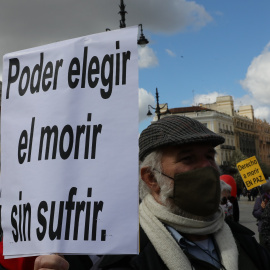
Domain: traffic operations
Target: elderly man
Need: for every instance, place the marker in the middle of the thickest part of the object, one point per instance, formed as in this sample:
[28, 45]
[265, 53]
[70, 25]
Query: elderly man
[182, 225]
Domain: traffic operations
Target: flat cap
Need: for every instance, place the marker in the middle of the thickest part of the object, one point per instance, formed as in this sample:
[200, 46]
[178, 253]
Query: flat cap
[175, 130]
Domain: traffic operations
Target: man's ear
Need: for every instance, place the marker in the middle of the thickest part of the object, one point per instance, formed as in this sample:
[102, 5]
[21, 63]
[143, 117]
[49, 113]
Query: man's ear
[148, 177]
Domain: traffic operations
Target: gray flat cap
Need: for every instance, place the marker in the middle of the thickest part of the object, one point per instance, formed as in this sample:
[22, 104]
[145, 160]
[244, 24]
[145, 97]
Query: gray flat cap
[175, 130]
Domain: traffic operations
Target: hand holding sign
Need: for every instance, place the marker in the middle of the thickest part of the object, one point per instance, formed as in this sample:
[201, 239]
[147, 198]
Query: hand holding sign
[52, 262]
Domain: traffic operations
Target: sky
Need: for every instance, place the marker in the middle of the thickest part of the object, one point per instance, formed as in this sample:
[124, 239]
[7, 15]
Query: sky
[197, 50]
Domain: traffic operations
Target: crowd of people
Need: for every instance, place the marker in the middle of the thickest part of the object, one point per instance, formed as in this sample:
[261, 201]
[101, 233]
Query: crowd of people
[188, 211]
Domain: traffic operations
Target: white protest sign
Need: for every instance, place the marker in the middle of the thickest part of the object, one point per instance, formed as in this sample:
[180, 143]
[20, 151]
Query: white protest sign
[70, 147]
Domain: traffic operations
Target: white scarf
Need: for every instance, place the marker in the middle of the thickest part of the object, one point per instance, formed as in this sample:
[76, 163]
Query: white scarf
[151, 215]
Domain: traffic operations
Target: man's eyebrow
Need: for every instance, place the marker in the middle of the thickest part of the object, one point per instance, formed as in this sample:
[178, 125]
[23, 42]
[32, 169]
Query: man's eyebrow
[190, 150]
[184, 151]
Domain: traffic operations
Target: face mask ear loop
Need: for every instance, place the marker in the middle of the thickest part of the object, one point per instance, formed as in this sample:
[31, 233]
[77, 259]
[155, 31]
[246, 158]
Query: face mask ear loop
[163, 174]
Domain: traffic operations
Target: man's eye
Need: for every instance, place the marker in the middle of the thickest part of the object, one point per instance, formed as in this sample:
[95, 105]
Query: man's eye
[186, 158]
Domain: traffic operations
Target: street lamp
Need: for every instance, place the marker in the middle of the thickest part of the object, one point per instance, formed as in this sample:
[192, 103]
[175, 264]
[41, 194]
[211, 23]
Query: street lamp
[158, 108]
[122, 13]
[142, 41]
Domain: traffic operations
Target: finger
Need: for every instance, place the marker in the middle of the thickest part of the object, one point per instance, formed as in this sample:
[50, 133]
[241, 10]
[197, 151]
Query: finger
[54, 262]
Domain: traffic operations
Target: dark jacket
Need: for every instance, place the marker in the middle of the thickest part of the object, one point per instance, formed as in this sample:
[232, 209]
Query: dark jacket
[265, 226]
[236, 213]
[252, 256]
[257, 212]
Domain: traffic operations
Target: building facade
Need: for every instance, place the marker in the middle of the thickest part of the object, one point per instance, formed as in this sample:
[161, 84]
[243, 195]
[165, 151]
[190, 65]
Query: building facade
[263, 129]
[240, 128]
[245, 133]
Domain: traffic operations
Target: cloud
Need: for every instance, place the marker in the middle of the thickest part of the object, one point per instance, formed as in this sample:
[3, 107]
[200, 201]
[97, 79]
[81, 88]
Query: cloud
[257, 84]
[207, 98]
[245, 100]
[218, 13]
[260, 111]
[30, 23]
[170, 53]
[173, 16]
[145, 99]
[147, 58]
[257, 81]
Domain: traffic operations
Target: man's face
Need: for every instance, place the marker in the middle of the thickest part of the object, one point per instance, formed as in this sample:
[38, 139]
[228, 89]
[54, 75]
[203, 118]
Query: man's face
[225, 194]
[179, 159]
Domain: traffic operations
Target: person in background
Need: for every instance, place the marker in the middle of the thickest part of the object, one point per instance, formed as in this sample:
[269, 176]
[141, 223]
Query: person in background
[265, 221]
[249, 194]
[259, 207]
[239, 193]
[233, 198]
[244, 191]
[225, 201]
[254, 193]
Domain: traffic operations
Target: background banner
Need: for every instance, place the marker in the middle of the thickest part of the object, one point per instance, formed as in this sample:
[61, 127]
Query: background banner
[251, 172]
